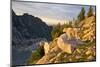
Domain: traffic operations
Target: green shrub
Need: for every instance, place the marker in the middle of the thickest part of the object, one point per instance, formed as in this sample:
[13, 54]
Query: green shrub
[36, 55]
[57, 31]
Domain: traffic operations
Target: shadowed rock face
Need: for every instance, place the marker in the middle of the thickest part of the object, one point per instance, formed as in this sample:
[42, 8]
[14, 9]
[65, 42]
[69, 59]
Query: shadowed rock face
[27, 27]
[27, 31]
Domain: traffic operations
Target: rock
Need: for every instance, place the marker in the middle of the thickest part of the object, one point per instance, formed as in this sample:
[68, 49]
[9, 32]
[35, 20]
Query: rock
[94, 47]
[55, 49]
[89, 48]
[77, 57]
[65, 56]
[78, 50]
[48, 58]
[46, 48]
[52, 60]
[59, 54]
[56, 61]
[90, 57]
[52, 55]
[43, 60]
[88, 52]
[94, 53]
[70, 59]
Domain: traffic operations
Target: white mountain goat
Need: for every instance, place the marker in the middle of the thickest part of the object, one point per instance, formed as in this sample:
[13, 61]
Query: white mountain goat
[67, 41]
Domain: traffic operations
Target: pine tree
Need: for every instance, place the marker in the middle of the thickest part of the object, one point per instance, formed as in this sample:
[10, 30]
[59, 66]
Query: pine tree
[57, 30]
[81, 15]
[90, 12]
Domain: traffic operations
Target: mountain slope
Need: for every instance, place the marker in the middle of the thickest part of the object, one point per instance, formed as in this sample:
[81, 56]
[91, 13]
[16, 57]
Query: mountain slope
[81, 53]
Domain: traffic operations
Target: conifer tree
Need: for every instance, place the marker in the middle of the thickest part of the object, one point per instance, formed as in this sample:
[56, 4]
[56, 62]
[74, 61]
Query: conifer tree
[81, 15]
[90, 12]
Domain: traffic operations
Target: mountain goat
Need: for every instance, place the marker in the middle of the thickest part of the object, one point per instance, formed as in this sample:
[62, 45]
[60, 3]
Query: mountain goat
[68, 41]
